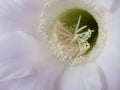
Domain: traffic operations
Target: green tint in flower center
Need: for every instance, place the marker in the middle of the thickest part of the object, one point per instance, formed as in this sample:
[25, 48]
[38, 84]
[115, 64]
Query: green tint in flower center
[70, 19]
[75, 32]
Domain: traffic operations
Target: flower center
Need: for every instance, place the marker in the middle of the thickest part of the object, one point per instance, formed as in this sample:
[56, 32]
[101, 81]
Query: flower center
[73, 38]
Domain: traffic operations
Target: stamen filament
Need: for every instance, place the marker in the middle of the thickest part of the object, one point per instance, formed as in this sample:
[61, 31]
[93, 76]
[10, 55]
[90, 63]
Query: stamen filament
[78, 23]
[81, 29]
[70, 45]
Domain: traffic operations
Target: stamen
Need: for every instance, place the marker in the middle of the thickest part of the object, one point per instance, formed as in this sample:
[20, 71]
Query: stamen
[78, 23]
[77, 31]
[60, 25]
[69, 46]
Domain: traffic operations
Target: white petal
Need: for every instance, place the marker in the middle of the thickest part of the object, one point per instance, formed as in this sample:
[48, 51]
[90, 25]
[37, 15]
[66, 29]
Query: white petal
[109, 61]
[17, 14]
[19, 59]
[48, 68]
[85, 77]
[105, 4]
[31, 3]
[28, 83]
[17, 51]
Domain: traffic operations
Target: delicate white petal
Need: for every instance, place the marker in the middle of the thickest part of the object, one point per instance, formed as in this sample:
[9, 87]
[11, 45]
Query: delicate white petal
[115, 6]
[109, 61]
[105, 4]
[17, 51]
[110, 6]
[84, 77]
[27, 83]
[19, 59]
[20, 15]
[48, 68]
[34, 4]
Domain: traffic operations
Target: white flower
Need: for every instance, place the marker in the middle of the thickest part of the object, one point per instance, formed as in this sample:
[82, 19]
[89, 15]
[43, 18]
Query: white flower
[27, 64]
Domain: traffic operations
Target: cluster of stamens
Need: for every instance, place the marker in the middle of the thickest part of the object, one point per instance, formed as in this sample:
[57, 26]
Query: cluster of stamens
[70, 45]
